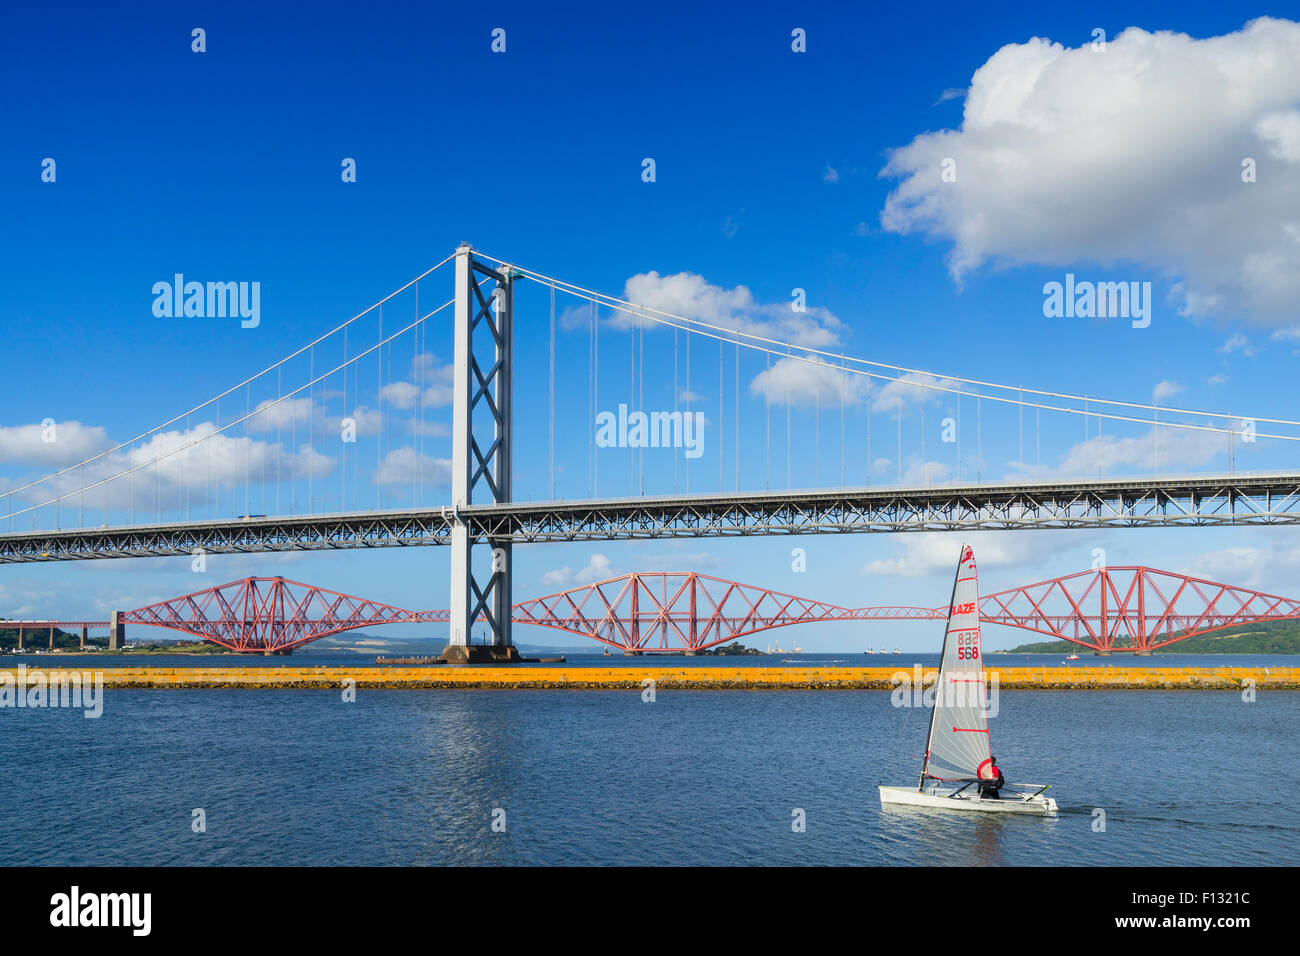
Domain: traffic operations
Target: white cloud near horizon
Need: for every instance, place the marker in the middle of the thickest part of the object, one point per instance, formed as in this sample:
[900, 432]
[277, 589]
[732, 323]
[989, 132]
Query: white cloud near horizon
[405, 466]
[936, 553]
[63, 444]
[598, 568]
[1111, 456]
[185, 464]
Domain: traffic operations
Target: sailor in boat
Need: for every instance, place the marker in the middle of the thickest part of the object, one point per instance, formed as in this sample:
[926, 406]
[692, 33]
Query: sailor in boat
[989, 788]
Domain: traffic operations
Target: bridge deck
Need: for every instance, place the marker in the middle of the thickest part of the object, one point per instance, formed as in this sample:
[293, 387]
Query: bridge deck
[1174, 501]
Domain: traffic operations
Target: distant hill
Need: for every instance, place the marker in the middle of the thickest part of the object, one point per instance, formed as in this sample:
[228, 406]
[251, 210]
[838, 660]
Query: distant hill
[1267, 637]
[38, 638]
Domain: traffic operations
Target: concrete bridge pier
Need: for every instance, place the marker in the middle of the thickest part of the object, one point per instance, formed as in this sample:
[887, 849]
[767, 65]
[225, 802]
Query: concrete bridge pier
[116, 632]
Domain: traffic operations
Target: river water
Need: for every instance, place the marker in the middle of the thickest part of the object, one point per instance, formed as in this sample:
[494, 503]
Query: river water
[582, 777]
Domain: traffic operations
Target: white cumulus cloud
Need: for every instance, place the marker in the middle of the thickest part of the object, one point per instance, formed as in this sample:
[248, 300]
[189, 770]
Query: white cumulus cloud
[693, 297]
[1129, 155]
[804, 383]
[54, 445]
[598, 568]
[405, 466]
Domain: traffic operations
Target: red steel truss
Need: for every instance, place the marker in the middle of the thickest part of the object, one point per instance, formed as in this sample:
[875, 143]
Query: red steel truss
[683, 610]
[269, 615]
[1108, 609]
[1131, 608]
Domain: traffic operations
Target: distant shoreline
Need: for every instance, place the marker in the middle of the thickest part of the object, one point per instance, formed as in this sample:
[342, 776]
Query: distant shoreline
[1127, 653]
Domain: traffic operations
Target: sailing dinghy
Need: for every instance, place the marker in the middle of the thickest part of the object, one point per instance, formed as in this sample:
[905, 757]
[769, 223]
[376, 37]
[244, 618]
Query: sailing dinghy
[957, 752]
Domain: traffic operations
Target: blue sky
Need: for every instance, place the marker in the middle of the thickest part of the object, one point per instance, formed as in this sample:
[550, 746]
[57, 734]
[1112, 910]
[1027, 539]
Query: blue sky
[225, 165]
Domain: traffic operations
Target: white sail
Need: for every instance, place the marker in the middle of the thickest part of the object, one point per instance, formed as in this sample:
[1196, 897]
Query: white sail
[958, 748]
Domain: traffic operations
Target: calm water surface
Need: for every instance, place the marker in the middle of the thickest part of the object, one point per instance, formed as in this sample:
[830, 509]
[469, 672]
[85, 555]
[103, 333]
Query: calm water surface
[697, 777]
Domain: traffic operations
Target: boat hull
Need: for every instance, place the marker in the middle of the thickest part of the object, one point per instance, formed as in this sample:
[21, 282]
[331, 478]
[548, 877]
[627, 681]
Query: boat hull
[936, 799]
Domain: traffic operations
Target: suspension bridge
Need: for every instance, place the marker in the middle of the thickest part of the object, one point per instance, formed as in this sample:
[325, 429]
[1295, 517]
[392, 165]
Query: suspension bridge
[1131, 609]
[335, 446]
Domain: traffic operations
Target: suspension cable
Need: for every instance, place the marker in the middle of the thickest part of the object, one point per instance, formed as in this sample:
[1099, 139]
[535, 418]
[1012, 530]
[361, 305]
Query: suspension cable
[261, 409]
[759, 342]
[235, 388]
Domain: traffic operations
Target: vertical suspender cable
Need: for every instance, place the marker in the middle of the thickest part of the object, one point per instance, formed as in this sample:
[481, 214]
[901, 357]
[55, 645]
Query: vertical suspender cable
[787, 425]
[248, 407]
[379, 403]
[417, 482]
[279, 390]
[817, 433]
[767, 435]
[631, 401]
[640, 401]
[1020, 463]
[311, 414]
[591, 412]
[1156, 432]
[1098, 446]
[550, 401]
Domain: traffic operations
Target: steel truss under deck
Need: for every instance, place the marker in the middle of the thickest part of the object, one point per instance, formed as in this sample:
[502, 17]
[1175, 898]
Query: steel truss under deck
[1134, 503]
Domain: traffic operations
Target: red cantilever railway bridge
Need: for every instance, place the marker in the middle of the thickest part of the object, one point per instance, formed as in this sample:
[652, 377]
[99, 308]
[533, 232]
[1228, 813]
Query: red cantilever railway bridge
[1123, 608]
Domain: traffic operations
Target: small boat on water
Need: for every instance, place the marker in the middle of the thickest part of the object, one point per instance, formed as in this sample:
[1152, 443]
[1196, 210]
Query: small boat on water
[1073, 657]
[869, 650]
[958, 754]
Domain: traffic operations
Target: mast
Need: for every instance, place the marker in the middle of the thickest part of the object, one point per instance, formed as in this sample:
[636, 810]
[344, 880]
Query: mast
[943, 655]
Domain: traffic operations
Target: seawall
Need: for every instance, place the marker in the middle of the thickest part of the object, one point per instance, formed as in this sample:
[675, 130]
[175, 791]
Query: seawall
[706, 678]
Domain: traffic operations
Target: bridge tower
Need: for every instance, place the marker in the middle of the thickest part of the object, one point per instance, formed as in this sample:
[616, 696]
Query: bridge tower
[482, 452]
